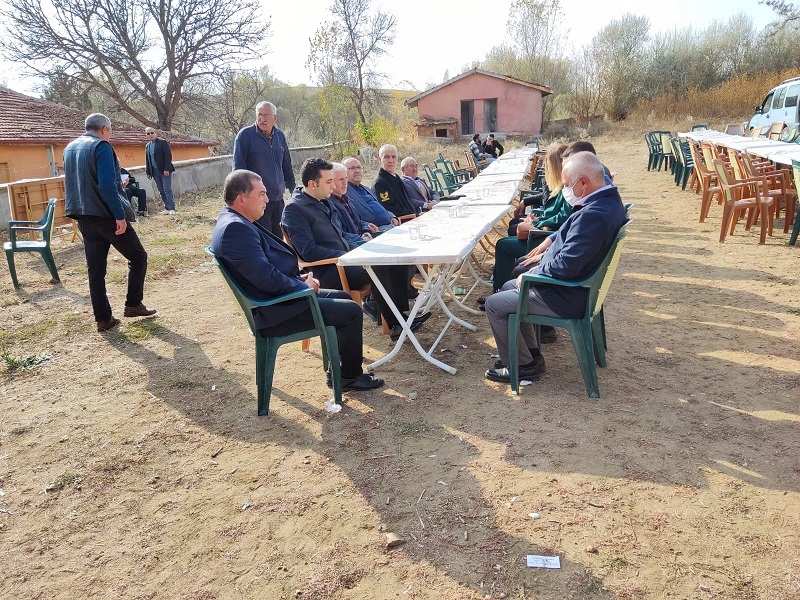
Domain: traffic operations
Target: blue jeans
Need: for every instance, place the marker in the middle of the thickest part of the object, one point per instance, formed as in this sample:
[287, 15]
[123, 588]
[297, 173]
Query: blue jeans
[164, 185]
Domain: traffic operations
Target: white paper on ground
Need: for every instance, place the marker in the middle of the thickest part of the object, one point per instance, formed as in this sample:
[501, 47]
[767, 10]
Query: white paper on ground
[545, 562]
[332, 407]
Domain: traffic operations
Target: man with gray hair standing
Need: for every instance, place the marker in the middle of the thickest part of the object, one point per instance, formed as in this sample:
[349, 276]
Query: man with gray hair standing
[262, 148]
[94, 197]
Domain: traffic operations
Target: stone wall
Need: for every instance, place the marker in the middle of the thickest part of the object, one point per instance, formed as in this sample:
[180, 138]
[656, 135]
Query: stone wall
[190, 175]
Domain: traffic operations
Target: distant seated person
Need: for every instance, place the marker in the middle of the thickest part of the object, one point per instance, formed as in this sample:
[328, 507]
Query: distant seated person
[266, 267]
[363, 200]
[389, 188]
[492, 147]
[315, 230]
[356, 231]
[132, 190]
[417, 189]
[476, 148]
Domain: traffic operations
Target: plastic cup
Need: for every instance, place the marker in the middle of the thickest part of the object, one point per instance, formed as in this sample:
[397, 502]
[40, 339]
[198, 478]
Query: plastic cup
[413, 232]
[422, 231]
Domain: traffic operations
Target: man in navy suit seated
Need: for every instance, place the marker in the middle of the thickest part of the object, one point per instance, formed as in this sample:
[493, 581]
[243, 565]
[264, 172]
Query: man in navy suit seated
[572, 253]
[266, 267]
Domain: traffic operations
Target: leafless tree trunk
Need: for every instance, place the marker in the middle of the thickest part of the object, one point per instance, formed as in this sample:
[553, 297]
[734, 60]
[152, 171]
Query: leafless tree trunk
[139, 53]
[344, 52]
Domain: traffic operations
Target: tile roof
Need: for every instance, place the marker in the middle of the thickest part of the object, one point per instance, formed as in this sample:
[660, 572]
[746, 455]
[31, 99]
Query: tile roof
[27, 120]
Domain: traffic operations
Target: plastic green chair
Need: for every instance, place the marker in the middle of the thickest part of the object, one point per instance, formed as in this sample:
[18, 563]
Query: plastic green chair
[267, 347]
[796, 228]
[587, 333]
[444, 185]
[43, 226]
[432, 180]
[791, 134]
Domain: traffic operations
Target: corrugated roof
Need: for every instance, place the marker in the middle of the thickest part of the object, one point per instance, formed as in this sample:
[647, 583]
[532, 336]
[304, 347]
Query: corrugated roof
[546, 91]
[26, 120]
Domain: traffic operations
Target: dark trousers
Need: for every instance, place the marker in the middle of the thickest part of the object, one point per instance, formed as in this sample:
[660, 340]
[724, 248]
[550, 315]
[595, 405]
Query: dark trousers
[271, 219]
[98, 237]
[394, 279]
[141, 198]
[339, 311]
[507, 251]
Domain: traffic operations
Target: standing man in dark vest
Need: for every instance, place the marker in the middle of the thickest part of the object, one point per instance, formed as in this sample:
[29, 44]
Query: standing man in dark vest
[262, 148]
[94, 197]
[158, 166]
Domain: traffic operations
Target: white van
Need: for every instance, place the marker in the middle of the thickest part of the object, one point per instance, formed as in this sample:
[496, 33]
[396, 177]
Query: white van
[779, 105]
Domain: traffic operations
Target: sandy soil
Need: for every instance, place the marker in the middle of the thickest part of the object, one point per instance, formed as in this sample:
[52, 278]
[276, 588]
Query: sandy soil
[132, 464]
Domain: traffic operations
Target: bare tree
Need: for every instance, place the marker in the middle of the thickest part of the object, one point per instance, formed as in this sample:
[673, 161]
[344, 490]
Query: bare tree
[344, 52]
[788, 12]
[142, 54]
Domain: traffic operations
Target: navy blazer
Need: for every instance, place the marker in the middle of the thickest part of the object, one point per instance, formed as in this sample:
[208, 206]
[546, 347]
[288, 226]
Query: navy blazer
[578, 247]
[263, 265]
[314, 228]
[163, 157]
[414, 194]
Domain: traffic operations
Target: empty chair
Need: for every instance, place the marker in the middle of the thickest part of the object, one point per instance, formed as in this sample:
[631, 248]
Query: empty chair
[742, 195]
[775, 130]
[699, 127]
[735, 129]
[43, 227]
[796, 228]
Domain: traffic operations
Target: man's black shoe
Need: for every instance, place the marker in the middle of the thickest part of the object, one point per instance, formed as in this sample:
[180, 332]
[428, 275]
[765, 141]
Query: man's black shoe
[531, 372]
[482, 300]
[363, 382]
[537, 360]
[396, 330]
[420, 319]
[369, 308]
[548, 334]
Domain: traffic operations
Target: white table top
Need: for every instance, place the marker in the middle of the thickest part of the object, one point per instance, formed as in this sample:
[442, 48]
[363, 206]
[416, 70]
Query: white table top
[780, 152]
[447, 239]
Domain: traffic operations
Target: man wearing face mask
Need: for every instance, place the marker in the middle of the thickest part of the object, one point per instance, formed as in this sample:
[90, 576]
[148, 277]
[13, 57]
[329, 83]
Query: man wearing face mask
[571, 254]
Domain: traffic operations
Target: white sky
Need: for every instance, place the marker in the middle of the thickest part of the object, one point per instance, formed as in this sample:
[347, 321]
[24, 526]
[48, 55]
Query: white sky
[437, 36]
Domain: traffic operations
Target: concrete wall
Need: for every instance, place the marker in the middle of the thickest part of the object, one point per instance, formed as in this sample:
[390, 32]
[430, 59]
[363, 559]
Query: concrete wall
[519, 108]
[190, 175]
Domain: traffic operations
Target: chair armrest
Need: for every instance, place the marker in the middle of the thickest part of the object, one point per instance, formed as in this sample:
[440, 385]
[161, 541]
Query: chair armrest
[284, 298]
[316, 263]
[406, 218]
[23, 223]
[529, 278]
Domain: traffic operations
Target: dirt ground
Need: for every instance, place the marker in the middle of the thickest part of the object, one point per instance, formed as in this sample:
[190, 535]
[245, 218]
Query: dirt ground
[133, 465]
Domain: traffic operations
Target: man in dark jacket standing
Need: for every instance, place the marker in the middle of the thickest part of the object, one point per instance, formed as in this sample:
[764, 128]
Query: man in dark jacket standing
[94, 197]
[158, 166]
[262, 148]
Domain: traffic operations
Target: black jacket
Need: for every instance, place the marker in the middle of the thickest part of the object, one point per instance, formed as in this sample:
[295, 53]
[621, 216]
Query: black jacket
[392, 194]
[163, 158]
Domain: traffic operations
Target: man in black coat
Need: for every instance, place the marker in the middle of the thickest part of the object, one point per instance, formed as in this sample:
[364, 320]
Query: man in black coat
[158, 166]
[315, 231]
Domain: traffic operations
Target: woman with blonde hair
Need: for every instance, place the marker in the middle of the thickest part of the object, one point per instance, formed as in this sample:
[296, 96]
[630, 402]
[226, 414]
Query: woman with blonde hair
[554, 212]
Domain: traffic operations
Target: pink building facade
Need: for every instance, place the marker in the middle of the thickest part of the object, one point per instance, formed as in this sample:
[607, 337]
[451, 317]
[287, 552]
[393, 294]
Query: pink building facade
[483, 102]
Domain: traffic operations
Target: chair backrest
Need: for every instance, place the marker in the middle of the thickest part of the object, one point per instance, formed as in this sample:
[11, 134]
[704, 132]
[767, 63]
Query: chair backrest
[246, 302]
[790, 134]
[442, 181]
[666, 143]
[735, 129]
[796, 173]
[699, 127]
[755, 132]
[604, 274]
[775, 130]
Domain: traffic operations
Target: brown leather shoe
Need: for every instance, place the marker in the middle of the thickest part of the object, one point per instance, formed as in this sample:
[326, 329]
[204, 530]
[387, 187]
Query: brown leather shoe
[139, 311]
[106, 325]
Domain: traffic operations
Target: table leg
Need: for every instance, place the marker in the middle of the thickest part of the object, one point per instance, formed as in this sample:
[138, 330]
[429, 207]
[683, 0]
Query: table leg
[406, 324]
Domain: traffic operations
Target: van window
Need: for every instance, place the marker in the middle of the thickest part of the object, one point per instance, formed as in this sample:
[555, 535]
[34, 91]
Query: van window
[765, 105]
[791, 95]
[779, 96]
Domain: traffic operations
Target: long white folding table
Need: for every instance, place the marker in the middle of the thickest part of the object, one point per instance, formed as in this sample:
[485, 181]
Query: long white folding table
[446, 244]
[775, 150]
